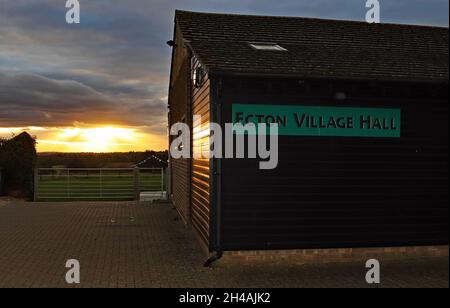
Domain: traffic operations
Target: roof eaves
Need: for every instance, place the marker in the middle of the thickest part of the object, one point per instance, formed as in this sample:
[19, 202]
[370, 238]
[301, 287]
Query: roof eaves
[221, 72]
[192, 51]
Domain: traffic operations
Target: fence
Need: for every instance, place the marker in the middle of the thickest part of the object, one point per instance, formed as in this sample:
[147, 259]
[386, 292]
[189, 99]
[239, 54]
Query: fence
[92, 184]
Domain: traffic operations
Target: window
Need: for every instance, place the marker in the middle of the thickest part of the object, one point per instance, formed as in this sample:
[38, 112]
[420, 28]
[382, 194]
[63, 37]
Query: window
[267, 46]
[198, 73]
[197, 76]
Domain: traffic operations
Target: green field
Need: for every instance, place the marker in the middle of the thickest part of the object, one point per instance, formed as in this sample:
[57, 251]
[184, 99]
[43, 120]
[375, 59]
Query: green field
[91, 186]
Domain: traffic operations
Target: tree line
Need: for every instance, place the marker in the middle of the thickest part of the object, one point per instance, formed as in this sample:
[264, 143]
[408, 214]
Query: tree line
[147, 159]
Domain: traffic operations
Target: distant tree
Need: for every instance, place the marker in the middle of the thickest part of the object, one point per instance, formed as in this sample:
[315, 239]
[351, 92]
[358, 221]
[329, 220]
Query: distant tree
[18, 160]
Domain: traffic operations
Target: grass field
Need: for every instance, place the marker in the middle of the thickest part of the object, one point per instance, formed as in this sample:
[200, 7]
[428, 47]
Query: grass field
[89, 185]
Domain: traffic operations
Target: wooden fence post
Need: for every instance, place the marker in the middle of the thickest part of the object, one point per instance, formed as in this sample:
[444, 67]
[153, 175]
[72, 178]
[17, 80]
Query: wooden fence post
[36, 184]
[136, 184]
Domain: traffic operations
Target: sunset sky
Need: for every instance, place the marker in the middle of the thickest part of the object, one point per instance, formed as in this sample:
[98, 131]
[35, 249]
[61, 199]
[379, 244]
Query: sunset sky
[102, 85]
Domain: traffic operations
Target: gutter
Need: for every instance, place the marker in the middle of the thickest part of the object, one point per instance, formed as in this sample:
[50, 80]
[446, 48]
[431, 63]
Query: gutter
[220, 73]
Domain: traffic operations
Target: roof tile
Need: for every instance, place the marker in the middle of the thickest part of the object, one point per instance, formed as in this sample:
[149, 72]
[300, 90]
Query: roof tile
[317, 47]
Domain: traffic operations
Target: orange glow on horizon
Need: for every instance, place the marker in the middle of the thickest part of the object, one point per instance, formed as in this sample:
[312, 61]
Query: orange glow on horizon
[97, 139]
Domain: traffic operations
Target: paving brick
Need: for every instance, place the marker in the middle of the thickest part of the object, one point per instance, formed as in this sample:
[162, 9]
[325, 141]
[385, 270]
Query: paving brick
[156, 250]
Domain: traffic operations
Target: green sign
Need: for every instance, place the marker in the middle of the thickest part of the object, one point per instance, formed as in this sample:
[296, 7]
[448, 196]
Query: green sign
[322, 121]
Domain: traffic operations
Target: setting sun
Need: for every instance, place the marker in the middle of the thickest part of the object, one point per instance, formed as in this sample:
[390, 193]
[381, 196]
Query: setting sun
[100, 139]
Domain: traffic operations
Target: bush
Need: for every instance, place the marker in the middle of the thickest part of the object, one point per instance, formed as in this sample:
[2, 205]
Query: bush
[18, 159]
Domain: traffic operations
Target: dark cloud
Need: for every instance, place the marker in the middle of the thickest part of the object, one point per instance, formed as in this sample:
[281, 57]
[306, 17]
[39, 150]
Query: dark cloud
[30, 99]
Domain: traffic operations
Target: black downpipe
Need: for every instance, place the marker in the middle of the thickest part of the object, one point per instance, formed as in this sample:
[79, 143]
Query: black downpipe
[219, 253]
[213, 259]
[218, 187]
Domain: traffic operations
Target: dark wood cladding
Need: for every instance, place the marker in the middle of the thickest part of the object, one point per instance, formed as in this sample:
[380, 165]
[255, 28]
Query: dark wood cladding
[338, 192]
[200, 176]
[179, 104]
[326, 192]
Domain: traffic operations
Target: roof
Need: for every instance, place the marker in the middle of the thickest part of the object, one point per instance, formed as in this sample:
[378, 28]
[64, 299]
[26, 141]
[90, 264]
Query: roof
[317, 48]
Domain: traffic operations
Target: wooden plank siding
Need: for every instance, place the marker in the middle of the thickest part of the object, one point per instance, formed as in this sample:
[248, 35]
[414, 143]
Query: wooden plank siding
[179, 104]
[200, 175]
[326, 192]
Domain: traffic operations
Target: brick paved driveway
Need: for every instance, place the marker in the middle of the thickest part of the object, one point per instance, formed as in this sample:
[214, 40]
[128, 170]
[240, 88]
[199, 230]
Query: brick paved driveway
[143, 245]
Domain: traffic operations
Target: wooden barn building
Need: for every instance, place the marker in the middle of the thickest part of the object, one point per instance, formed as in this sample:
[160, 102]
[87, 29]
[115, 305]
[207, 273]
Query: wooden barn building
[380, 180]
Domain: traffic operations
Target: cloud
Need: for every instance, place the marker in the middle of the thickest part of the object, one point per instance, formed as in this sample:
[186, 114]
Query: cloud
[30, 99]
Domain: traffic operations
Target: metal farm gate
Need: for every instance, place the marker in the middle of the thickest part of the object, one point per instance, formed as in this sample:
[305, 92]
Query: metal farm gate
[92, 184]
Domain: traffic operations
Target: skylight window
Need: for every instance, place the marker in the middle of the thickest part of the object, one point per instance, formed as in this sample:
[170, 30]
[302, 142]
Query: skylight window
[267, 46]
